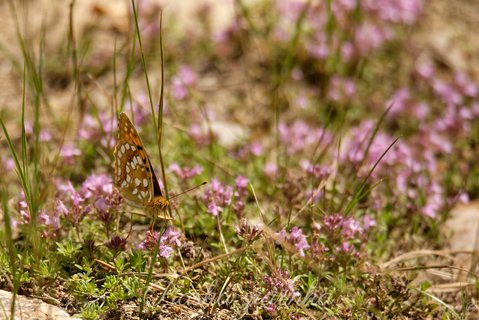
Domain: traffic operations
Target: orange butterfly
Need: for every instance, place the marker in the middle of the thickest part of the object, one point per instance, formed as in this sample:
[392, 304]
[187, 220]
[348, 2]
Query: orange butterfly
[134, 175]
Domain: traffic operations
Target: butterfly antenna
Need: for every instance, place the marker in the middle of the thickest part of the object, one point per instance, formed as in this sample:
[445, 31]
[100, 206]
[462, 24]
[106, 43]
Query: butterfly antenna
[191, 189]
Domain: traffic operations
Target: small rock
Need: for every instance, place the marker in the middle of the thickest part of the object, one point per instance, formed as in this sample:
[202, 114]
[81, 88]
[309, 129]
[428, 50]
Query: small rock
[30, 308]
[462, 225]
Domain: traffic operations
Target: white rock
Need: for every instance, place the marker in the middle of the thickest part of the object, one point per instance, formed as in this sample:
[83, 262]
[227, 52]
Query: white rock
[30, 308]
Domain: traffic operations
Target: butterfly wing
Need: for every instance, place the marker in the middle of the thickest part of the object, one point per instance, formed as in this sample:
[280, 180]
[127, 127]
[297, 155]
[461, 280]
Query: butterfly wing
[156, 184]
[134, 175]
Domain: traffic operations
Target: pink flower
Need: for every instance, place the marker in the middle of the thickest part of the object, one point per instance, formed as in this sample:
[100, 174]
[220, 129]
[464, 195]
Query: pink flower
[241, 183]
[356, 147]
[397, 11]
[217, 197]
[341, 89]
[95, 185]
[271, 309]
[425, 70]
[69, 152]
[187, 74]
[150, 241]
[50, 223]
[350, 228]
[65, 188]
[399, 101]
[319, 50]
[214, 209]
[430, 209]
[202, 137]
[447, 92]
[465, 84]
[185, 173]
[255, 148]
[141, 110]
[290, 9]
[77, 210]
[318, 171]
[8, 163]
[369, 37]
[178, 89]
[368, 222]
[117, 243]
[60, 208]
[45, 135]
[463, 197]
[280, 283]
[168, 241]
[246, 231]
[347, 51]
[270, 170]
[299, 136]
[295, 238]
[241, 193]
[183, 81]
[99, 129]
[297, 74]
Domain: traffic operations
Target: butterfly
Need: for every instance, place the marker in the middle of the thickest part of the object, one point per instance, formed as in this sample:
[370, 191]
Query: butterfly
[134, 175]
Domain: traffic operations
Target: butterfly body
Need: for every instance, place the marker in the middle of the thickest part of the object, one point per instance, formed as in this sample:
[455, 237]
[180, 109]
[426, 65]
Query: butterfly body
[134, 175]
[158, 204]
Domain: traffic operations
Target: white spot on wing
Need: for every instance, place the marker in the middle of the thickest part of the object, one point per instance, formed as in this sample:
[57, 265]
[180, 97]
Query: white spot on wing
[135, 191]
[137, 182]
[145, 183]
[122, 148]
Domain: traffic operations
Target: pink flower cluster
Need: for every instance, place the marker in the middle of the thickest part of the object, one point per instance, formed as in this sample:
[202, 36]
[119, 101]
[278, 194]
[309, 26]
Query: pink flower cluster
[397, 11]
[185, 173]
[341, 89]
[299, 136]
[49, 221]
[246, 231]
[279, 283]
[182, 82]
[217, 197]
[241, 192]
[339, 238]
[169, 240]
[253, 149]
[140, 109]
[354, 150]
[372, 21]
[296, 238]
[201, 136]
[318, 171]
[96, 195]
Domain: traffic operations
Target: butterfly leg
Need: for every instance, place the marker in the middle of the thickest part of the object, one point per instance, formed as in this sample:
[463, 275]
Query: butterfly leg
[152, 223]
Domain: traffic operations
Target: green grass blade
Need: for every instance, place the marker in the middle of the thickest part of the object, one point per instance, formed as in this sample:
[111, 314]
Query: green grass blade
[143, 60]
[359, 193]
